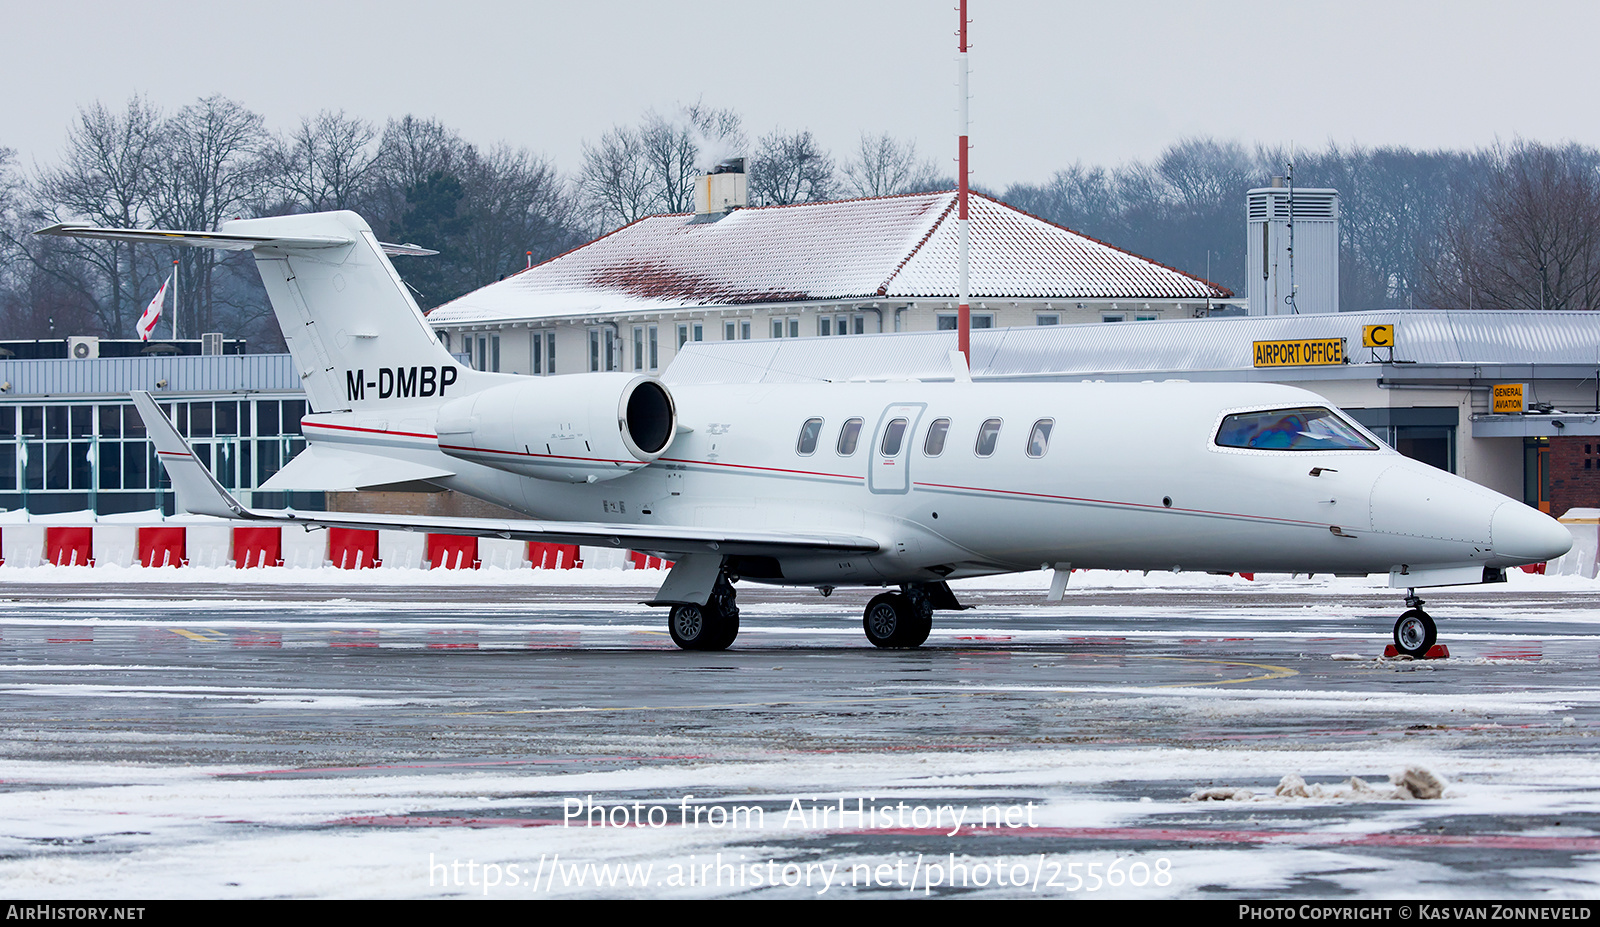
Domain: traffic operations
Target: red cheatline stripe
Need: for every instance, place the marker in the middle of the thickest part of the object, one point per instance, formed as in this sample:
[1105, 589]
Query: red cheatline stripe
[713, 463]
[373, 431]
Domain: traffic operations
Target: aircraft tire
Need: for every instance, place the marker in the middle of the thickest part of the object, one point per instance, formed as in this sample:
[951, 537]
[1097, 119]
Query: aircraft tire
[1415, 633]
[702, 627]
[891, 622]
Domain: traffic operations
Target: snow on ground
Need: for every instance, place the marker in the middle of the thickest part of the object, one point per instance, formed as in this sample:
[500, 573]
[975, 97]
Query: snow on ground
[160, 835]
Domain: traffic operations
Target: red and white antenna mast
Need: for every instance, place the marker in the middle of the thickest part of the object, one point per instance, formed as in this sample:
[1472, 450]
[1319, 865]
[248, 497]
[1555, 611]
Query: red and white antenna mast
[964, 311]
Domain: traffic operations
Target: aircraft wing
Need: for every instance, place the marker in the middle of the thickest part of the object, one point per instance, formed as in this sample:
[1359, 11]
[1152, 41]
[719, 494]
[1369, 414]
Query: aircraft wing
[199, 492]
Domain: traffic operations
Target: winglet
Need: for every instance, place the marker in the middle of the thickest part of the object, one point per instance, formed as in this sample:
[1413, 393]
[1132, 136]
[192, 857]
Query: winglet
[197, 490]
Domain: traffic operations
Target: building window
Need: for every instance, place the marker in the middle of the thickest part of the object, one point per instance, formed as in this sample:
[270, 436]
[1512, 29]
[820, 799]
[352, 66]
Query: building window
[948, 321]
[982, 320]
[794, 328]
[744, 329]
[683, 336]
[603, 349]
[638, 347]
[824, 325]
[698, 331]
[841, 326]
[654, 352]
[1112, 317]
[730, 331]
[1047, 319]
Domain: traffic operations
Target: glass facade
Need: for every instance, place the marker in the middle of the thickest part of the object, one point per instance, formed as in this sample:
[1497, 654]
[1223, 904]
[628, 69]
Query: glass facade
[96, 456]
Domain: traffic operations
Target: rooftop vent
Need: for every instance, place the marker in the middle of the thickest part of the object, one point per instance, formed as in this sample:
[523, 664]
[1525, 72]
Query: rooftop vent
[720, 192]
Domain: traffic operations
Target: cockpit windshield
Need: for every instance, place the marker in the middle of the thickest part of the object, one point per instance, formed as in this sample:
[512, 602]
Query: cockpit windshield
[1308, 429]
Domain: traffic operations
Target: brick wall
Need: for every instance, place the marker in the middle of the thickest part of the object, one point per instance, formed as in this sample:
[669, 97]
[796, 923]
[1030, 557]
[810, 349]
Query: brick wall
[1574, 473]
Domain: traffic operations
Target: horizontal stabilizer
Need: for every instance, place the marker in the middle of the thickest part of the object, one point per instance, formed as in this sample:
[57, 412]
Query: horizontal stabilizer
[320, 468]
[226, 241]
[199, 492]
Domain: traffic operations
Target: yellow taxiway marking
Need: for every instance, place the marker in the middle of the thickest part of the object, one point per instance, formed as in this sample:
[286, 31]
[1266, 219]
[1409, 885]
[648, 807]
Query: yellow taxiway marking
[198, 637]
[1272, 672]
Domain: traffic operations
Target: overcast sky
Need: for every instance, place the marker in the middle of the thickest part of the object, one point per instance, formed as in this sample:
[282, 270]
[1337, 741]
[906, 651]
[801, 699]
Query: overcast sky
[1052, 83]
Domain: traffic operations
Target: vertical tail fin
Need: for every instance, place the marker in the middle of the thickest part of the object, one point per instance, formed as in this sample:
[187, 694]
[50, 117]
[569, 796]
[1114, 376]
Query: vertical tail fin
[356, 334]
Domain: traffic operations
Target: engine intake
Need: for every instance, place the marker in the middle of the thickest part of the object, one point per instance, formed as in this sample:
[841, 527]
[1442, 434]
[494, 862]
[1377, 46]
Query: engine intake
[581, 428]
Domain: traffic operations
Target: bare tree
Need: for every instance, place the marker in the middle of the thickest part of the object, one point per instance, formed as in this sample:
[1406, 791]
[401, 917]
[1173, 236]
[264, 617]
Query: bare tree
[110, 176]
[615, 180]
[635, 172]
[1531, 240]
[518, 204]
[884, 166]
[790, 169]
[410, 151]
[212, 172]
[325, 164]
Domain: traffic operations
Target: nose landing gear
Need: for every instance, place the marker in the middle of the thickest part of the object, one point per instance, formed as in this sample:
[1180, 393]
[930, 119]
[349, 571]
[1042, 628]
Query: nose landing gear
[1415, 632]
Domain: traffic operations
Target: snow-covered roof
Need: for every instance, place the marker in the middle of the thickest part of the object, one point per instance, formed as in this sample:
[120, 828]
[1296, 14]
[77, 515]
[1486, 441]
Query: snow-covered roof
[895, 247]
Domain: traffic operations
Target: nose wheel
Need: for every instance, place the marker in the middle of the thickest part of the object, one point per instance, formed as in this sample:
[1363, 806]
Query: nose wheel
[1415, 632]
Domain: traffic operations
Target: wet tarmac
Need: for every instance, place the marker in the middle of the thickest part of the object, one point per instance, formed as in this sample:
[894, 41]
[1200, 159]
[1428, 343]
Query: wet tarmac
[197, 741]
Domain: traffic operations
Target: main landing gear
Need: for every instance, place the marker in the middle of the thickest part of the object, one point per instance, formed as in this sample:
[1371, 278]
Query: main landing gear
[1415, 632]
[904, 619]
[711, 626]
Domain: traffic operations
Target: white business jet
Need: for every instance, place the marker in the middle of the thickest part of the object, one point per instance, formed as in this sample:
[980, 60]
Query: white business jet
[904, 485]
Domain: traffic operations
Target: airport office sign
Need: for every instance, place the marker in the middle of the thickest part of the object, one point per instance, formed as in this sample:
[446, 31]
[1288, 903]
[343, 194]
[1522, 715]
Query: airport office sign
[1312, 352]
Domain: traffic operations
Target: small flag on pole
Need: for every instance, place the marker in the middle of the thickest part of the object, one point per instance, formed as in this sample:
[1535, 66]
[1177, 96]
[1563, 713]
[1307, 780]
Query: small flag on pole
[152, 312]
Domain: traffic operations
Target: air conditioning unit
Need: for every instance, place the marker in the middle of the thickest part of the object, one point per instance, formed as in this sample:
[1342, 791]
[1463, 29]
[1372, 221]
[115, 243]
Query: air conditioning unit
[211, 343]
[83, 347]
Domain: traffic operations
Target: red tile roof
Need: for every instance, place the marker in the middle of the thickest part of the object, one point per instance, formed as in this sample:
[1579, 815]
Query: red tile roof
[899, 247]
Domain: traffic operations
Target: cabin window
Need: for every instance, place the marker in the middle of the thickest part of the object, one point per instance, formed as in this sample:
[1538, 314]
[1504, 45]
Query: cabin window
[893, 437]
[933, 445]
[988, 437]
[1039, 438]
[1307, 429]
[808, 437]
[848, 436]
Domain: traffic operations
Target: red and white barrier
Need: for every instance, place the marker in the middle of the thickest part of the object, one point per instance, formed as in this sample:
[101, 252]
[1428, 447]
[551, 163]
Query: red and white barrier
[148, 539]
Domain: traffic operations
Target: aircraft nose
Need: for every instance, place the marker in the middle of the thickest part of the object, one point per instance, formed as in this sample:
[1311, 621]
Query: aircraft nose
[1527, 534]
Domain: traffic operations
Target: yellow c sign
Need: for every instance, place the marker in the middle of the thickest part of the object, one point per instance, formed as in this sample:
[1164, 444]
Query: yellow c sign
[1377, 336]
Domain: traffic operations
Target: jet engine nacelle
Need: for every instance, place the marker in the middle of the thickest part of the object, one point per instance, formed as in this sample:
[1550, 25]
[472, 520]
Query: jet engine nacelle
[581, 428]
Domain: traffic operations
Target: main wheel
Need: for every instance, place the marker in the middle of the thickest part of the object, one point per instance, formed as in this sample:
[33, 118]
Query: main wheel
[1415, 633]
[702, 627]
[892, 621]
